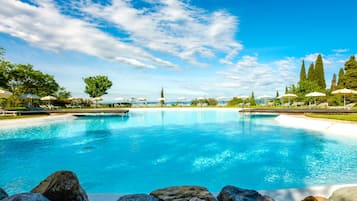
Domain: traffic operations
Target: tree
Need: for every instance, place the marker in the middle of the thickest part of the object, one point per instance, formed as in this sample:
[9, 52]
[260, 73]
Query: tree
[350, 76]
[311, 73]
[22, 78]
[333, 82]
[62, 93]
[252, 99]
[341, 79]
[277, 100]
[319, 72]
[303, 72]
[97, 86]
[286, 90]
[162, 100]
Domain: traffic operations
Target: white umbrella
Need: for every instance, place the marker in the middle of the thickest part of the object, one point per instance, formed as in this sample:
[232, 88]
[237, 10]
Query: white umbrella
[4, 93]
[264, 97]
[161, 99]
[142, 99]
[243, 97]
[289, 96]
[73, 98]
[315, 94]
[48, 98]
[96, 99]
[201, 98]
[345, 92]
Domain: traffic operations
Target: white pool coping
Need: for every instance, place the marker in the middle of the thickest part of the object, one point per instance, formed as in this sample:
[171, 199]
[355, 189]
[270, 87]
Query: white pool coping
[292, 194]
[336, 128]
[35, 121]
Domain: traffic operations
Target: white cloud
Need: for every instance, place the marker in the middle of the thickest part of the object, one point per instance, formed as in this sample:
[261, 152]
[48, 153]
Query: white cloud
[44, 26]
[172, 27]
[250, 75]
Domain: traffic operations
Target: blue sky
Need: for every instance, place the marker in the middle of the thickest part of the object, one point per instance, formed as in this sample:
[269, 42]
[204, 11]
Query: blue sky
[191, 48]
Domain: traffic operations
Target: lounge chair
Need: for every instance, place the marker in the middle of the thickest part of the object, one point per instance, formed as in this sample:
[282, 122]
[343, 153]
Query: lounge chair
[346, 107]
[33, 108]
[322, 105]
[4, 112]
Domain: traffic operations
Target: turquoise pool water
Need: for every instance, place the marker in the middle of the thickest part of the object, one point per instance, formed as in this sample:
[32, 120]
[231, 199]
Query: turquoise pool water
[153, 149]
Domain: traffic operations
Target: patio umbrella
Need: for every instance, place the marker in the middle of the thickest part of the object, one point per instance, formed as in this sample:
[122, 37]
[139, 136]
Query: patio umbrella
[243, 97]
[201, 98]
[264, 97]
[142, 99]
[96, 99]
[289, 96]
[48, 98]
[4, 93]
[73, 98]
[345, 92]
[315, 94]
[30, 97]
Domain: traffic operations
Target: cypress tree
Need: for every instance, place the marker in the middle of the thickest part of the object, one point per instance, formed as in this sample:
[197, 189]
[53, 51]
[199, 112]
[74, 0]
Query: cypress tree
[252, 99]
[311, 73]
[319, 72]
[341, 79]
[333, 82]
[286, 90]
[302, 72]
[162, 96]
[350, 77]
[277, 93]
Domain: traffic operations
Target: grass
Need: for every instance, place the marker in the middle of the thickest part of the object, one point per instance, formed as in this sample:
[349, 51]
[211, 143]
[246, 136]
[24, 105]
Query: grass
[22, 116]
[344, 117]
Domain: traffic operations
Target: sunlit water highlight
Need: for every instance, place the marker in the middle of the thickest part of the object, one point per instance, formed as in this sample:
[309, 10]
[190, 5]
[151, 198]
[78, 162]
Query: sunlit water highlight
[153, 149]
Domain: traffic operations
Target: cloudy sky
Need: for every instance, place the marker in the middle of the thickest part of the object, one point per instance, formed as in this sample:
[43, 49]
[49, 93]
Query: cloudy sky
[191, 47]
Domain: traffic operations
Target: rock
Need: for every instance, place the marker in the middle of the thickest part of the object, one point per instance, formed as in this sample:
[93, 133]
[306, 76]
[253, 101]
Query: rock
[3, 194]
[232, 193]
[319, 198]
[137, 197]
[61, 186]
[183, 193]
[344, 194]
[26, 197]
[314, 198]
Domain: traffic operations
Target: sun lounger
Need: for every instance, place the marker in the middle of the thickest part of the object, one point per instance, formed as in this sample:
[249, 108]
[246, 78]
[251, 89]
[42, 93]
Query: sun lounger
[322, 105]
[6, 112]
[33, 108]
[347, 107]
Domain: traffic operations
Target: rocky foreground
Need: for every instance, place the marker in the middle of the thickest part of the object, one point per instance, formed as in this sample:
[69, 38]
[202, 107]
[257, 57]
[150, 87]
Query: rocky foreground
[65, 186]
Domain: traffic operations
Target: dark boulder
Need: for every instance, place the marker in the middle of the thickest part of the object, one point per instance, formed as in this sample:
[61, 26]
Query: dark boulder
[183, 193]
[137, 197]
[61, 186]
[26, 197]
[3, 194]
[232, 193]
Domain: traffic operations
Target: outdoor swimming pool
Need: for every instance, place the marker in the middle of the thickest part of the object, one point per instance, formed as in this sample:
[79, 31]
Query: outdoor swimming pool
[158, 148]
